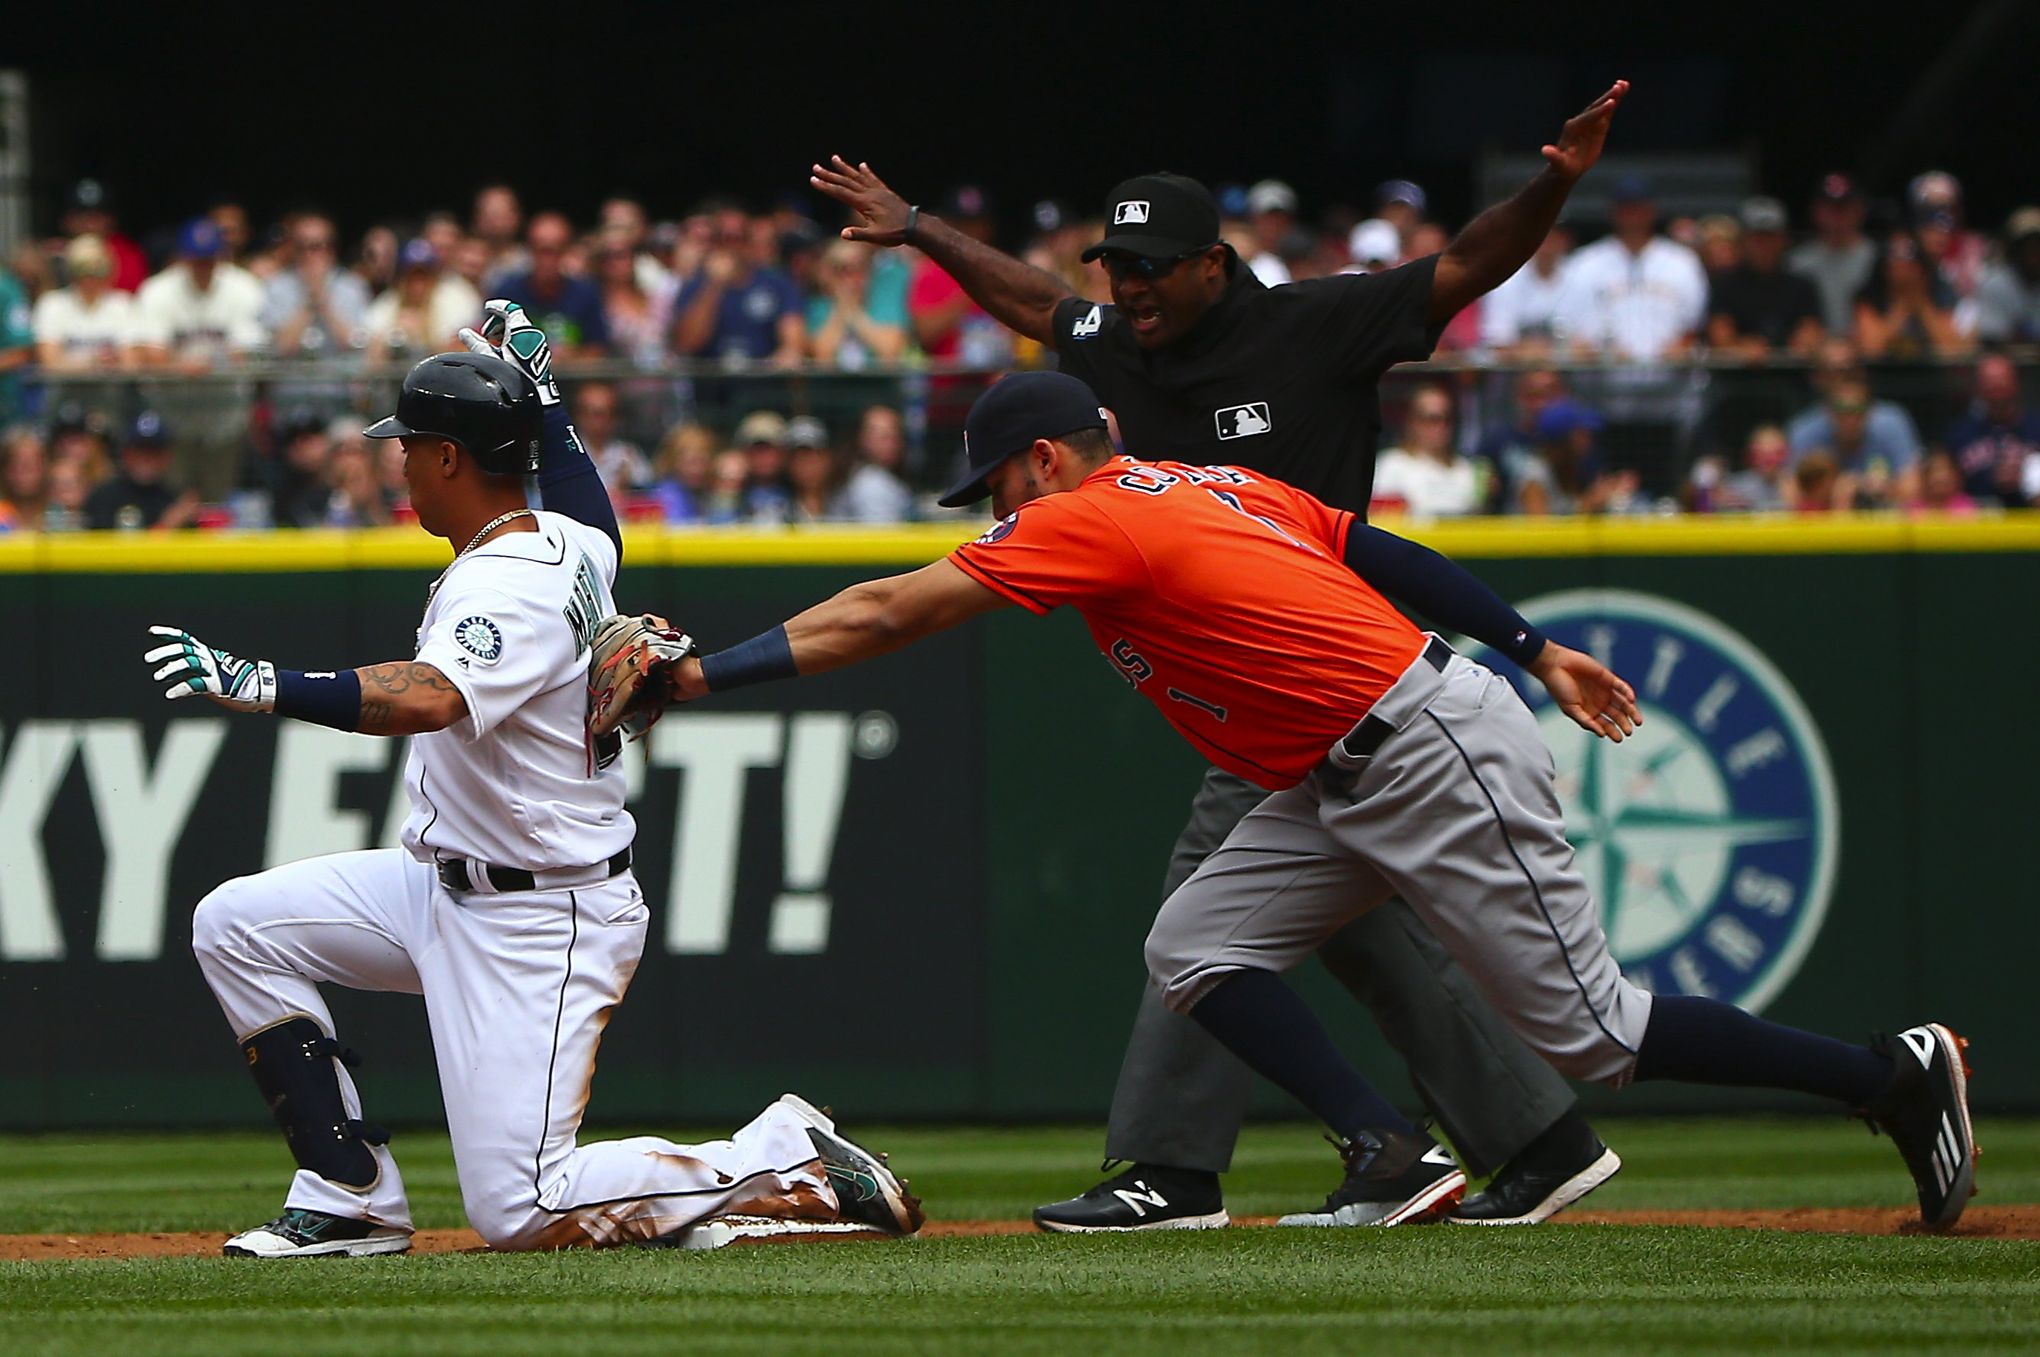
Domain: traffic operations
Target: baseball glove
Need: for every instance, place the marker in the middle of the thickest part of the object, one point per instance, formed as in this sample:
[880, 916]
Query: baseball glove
[627, 687]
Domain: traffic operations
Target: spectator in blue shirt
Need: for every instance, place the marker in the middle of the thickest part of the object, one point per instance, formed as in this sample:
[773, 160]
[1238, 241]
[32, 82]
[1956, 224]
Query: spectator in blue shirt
[736, 306]
[857, 317]
[1889, 433]
[567, 308]
[1997, 443]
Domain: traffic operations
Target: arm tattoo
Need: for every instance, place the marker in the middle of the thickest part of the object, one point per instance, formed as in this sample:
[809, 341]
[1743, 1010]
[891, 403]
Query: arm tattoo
[391, 693]
[375, 716]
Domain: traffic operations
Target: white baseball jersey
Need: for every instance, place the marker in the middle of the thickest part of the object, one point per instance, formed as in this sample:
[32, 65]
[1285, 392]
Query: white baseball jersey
[517, 784]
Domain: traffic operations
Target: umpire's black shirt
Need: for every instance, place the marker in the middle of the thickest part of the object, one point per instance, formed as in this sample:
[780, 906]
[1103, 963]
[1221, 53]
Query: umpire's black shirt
[1281, 380]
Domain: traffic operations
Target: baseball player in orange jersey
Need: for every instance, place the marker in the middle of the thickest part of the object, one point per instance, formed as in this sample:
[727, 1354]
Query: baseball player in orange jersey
[1254, 617]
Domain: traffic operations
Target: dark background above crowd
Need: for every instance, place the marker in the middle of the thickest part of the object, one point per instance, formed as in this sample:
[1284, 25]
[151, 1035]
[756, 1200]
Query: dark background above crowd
[357, 109]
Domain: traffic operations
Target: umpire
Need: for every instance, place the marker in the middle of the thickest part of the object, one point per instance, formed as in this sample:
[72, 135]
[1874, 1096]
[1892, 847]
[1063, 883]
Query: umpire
[1200, 362]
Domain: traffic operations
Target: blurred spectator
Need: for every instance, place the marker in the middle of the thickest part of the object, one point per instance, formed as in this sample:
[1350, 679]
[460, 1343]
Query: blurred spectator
[875, 491]
[88, 326]
[761, 438]
[17, 344]
[622, 224]
[469, 263]
[1758, 486]
[494, 225]
[1271, 216]
[1891, 430]
[1516, 318]
[728, 489]
[736, 306]
[1818, 487]
[70, 484]
[1941, 489]
[1402, 205]
[568, 309]
[685, 467]
[1996, 443]
[313, 308]
[357, 499]
[1878, 470]
[82, 435]
[638, 318]
[1757, 308]
[1633, 294]
[1373, 245]
[1503, 446]
[232, 219]
[948, 325]
[423, 313]
[814, 472]
[201, 310]
[621, 464]
[375, 262]
[24, 481]
[141, 494]
[1718, 242]
[856, 318]
[89, 212]
[1907, 311]
[299, 486]
[1424, 473]
[442, 231]
[1950, 250]
[2008, 297]
[32, 267]
[1564, 474]
[1839, 259]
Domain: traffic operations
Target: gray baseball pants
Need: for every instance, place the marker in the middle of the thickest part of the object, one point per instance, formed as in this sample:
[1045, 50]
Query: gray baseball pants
[1456, 812]
[1181, 1096]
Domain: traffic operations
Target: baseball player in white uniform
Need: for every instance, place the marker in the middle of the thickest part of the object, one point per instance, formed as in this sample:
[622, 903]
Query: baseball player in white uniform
[511, 907]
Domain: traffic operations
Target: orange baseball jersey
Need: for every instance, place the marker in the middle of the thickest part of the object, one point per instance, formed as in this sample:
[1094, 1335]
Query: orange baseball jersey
[1222, 595]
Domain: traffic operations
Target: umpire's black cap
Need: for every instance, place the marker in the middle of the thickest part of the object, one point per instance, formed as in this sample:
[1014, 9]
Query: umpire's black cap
[1009, 417]
[477, 400]
[1160, 216]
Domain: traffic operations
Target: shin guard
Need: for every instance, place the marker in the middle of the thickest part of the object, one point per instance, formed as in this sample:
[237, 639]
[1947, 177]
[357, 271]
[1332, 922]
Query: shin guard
[293, 1065]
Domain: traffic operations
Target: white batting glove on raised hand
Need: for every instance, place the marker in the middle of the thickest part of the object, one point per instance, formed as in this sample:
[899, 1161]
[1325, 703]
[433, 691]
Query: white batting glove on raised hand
[193, 667]
[508, 333]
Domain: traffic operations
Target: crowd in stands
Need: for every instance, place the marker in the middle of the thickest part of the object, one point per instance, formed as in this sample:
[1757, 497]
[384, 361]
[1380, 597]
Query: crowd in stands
[97, 329]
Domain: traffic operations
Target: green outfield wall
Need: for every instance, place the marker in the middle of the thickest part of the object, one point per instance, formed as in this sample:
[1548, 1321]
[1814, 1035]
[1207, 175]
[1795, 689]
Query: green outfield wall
[919, 888]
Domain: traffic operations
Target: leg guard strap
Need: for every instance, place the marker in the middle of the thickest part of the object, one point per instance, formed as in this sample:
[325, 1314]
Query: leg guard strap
[293, 1065]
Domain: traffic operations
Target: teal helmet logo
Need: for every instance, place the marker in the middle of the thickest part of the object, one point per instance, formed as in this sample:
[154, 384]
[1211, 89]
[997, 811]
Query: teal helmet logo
[1709, 838]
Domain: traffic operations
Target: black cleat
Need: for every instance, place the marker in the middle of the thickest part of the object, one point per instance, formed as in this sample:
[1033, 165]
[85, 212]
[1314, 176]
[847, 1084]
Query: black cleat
[1144, 1197]
[1925, 1111]
[299, 1233]
[1529, 1193]
[1392, 1178]
[867, 1192]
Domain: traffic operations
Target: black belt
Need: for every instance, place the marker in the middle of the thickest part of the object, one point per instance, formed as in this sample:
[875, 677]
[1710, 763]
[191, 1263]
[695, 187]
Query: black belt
[1365, 738]
[453, 874]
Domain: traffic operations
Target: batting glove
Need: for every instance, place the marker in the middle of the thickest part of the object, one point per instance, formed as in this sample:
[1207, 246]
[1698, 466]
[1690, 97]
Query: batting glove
[193, 667]
[509, 334]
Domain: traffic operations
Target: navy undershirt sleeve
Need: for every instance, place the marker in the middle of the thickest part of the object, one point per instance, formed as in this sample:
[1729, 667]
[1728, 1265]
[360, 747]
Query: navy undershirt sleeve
[567, 480]
[1441, 590]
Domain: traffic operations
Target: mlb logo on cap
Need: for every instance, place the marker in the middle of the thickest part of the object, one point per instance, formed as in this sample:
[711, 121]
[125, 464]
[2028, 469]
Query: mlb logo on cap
[1135, 211]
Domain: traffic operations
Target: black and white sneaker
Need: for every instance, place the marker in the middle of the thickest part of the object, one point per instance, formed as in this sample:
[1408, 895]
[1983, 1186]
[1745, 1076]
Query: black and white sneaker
[1925, 1111]
[1144, 1197]
[299, 1233]
[867, 1191]
[1526, 1192]
[1392, 1178]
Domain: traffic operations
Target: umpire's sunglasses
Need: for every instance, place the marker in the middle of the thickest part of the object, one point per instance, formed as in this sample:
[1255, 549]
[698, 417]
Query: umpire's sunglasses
[1148, 266]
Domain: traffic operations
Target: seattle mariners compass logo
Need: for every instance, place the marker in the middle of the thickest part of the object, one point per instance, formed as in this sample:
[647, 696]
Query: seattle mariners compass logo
[1709, 837]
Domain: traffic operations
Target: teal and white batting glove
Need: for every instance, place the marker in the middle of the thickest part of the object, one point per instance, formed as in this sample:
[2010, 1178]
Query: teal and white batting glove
[508, 333]
[194, 668]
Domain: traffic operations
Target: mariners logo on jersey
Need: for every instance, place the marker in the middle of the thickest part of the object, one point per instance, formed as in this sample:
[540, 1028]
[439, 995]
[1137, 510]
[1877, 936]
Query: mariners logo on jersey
[481, 638]
[1708, 837]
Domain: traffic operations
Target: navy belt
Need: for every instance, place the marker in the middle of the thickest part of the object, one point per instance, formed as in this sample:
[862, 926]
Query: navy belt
[1365, 738]
[454, 874]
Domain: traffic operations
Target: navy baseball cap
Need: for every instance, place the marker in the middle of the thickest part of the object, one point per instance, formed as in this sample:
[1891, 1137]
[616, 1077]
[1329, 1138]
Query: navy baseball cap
[200, 239]
[1009, 417]
[1630, 188]
[148, 431]
[418, 253]
[1159, 216]
[1560, 418]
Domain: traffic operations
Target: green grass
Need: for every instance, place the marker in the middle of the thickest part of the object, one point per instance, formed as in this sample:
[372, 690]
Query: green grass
[1432, 1290]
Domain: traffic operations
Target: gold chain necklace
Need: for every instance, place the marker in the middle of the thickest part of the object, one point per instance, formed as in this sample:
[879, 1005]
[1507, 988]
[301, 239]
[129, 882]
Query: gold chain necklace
[498, 521]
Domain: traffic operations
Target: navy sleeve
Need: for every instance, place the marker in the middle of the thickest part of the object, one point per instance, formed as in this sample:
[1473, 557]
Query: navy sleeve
[567, 480]
[1441, 590]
